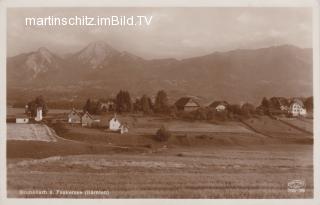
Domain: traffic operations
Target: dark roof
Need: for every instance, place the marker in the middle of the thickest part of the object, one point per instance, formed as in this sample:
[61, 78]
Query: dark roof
[184, 100]
[88, 115]
[297, 100]
[75, 111]
[216, 103]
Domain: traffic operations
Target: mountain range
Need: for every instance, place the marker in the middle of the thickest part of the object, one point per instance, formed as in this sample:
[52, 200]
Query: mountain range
[243, 75]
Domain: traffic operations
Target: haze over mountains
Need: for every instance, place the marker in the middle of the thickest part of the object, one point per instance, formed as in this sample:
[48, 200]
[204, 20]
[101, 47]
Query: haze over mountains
[99, 69]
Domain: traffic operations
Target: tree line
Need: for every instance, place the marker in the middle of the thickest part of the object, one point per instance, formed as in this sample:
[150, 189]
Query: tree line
[123, 103]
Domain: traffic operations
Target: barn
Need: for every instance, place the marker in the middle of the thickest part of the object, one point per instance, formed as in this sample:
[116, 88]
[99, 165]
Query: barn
[22, 120]
[107, 106]
[187, 104]
[87, 120]
[74, 117]
[219, 106]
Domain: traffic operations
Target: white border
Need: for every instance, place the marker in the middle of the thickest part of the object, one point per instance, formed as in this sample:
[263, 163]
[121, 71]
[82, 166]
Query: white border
[4, 4]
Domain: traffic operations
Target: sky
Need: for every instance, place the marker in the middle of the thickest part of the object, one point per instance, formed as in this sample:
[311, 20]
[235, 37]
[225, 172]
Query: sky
[173, 33]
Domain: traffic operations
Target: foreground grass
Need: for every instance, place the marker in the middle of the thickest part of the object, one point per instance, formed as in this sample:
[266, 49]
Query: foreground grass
[198, 174]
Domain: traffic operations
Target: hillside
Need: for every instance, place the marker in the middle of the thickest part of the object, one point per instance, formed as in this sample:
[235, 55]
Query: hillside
[98, 69]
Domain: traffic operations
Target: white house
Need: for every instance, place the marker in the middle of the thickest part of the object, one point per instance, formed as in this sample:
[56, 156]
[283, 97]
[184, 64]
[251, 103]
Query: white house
[219, 106]
[124, 128]
[107, 106]
[297, 108]
[114, 124]
[22, 120]
[39, 114]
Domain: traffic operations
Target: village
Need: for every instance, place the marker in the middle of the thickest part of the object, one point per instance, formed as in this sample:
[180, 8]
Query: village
[106, 147]
[185, 108]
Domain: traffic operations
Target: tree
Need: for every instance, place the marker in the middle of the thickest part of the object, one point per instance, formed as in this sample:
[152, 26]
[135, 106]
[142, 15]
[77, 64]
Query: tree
[92, 107]
[161, 104]
[265, 106]
[247, 109]
[35, 104]
[137, 105]
[162, 134]
[146, 105]
[309, 104]
[123, 102]
[87, 106]
[235, 109]
[265, 103]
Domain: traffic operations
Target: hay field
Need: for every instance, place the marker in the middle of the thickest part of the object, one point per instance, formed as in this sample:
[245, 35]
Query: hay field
[278, 130]
[203, 173]
[33, 132]
[304, 124]
[204, 162]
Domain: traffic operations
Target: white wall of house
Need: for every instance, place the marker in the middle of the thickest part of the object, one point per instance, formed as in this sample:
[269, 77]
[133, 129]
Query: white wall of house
[86, 120]
[39, 114]
[296, 110]
[114, 124]
[220, 108]
[190, 106]
[74, 117]
[22, 120]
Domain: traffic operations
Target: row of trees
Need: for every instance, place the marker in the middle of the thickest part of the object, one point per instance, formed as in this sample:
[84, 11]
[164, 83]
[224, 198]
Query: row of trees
[123, 103]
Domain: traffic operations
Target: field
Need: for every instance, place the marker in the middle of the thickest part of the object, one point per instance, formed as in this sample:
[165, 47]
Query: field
[234, 173]
[253, 159]
[276, 129]
[302, 123]
[34, 132]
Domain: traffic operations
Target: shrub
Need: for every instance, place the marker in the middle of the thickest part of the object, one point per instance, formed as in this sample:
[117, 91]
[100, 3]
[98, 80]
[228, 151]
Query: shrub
[162, 134]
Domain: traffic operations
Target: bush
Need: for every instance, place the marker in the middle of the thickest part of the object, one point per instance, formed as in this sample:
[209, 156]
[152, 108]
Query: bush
[162, 134]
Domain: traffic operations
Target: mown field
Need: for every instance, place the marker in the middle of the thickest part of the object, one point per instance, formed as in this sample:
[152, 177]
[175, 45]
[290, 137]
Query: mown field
[254, 159]
[233, 173]
[32, 132]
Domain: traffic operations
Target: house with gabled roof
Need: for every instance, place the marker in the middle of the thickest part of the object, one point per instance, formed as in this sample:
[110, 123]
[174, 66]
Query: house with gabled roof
[74, 117]
[107, 105]
[219, 106]
[87, 120]
[187, 104]
[297, 108]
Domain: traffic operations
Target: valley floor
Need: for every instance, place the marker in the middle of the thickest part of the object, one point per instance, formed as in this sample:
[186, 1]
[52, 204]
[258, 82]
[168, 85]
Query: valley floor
[256, 160]
[202, 173]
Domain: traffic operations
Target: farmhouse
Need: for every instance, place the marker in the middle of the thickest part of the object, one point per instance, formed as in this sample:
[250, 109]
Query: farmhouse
[297, 108]
[187, 104]
[87, 120]
[114, 124]
[22, 120]
[74, 117]
[219, 106]
[107, 106]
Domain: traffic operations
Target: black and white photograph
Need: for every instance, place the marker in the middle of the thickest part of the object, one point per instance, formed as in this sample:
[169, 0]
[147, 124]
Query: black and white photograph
[160, 102]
